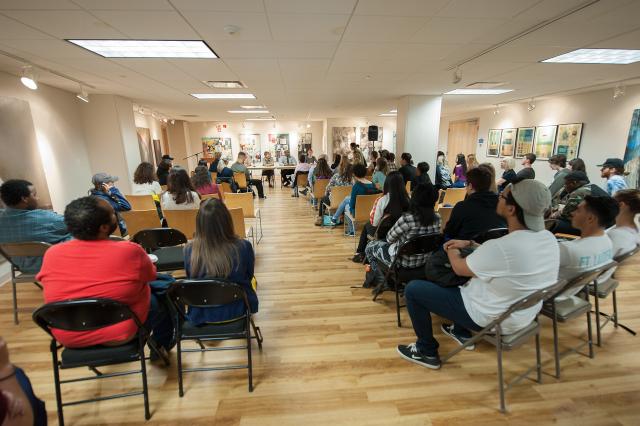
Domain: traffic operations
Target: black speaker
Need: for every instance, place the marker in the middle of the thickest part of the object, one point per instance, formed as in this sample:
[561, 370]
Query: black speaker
[373, 133]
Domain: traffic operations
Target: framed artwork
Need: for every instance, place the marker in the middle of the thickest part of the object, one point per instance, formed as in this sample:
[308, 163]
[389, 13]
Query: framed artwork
[543, 141]
[568, 140]
[304, 142]
[524, 141]
[493, 142]
[144, 144]
[210, 145]
[278, 144]
[157, 150]
[250, 144]
[507, 142]
[342, 138]
[632, 152]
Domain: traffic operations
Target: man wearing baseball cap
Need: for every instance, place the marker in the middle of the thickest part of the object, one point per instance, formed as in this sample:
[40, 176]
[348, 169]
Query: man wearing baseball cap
[502, 271]
[613, 170]
[103, 187]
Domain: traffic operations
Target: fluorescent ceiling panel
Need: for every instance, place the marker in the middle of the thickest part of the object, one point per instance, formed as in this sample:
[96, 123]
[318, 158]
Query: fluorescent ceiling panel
[388, 114]
[225, 84]
[598, 56]
[261, 119]
[223, 95]
[478, 91]
[248, 111]
[147, 48]
[252, 106]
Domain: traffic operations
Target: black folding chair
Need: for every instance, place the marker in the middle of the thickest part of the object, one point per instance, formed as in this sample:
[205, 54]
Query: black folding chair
[212, 293]
[490, 234]
[25, 249]
[569, 307]
[420, 244]
[601, 290]
[492, 333]
[166, 244]
[86, 315]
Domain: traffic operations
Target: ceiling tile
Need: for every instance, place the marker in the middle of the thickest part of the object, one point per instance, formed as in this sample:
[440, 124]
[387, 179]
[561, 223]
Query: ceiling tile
[124, 4]
[455, 30]
[37, 5]
[204, 69]
[12, 30]
[258, 69]
[307, 27]
[252, 26]
[310, 6]
[148, 24]
[383, 28]
[220, 5]
[66, 24]
[274, 49]
[486, 8]
[630, 40]
[50, 49]
[400, 7]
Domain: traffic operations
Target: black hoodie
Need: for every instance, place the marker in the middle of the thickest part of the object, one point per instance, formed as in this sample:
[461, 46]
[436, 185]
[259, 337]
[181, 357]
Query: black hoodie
[476, 214]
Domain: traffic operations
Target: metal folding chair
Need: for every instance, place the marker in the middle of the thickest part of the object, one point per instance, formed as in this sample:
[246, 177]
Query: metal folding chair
[166, 244]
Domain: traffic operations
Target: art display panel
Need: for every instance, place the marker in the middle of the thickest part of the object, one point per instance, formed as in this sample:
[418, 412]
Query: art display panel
[278, 143]
[568, 140]
[507, 142]
[250, 145]
[632, 152]
[544, 140]
[211, 145]
[366, 146]
[524, 141]
[144, 145]
[493, 142]
[342, 138]
[304, 142]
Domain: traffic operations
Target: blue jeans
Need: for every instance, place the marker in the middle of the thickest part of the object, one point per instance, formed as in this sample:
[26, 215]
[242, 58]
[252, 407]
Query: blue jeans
[341, 208]
[458, 184]
[424, 298]
[160, 320]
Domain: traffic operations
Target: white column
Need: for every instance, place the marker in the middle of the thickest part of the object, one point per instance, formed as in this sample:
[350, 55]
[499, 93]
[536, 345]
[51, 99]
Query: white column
[418, 128]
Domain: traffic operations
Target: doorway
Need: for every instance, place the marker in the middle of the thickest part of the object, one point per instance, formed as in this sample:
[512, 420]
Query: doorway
[463, 137]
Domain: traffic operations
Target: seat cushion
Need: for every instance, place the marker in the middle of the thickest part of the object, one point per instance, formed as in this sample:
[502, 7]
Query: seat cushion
[568, 308]
[511, 341]
[605, 288]
[190, 330]
[170, 258]
[100, 355]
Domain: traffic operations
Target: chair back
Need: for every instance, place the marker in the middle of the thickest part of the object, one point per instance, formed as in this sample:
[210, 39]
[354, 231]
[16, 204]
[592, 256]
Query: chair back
[320, 188]
[453, 196]
[237, 217]
[82, 314]
[182, 220]
[445, 215]
[26, 249]
[137, 220]
[163, 187]
[155, 238]
[585, 278]
[407, 186]
[364, 204]
[225, 187]
[420, 244]
[206, 293]
[529, 301]
[302, 180]
[241, 179]
[242, 200]
[624, 256]
[490, 234]
[549, 224]
[141, 202]
[208, 196]
[214, 177]
[339, 193]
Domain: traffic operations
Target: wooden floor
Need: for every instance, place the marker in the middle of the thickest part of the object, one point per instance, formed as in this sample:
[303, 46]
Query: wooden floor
[329, 355]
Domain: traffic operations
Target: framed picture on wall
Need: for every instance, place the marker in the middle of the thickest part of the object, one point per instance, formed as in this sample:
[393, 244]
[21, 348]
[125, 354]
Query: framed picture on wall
[493, 142]
[568, 140]
[508, 142]
[524, 141]
[543, 141]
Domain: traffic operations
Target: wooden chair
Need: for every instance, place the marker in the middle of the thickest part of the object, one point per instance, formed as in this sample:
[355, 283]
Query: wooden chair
[137, 220]
[364, 204]
[244, 201]
[445, 215]
[241, 180]
[453, 196]
[225, 187]
[302, 181]
[141, 202]
[214, 177]
[319, 189]
[208, 196]
[338, 193]
[407, 186]
[163, 187]
[182, 220]
[237, 217]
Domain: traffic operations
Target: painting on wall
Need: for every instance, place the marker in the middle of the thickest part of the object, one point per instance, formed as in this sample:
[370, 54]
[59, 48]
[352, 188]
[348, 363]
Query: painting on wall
[250, 145]
[342, 138]
[543, 141]
[568, 140]
[157, 151]
[524, 141]
[278, 144]
[493, 142]
[211, 145]
[144, 144]
[507, 142]
[632, 152]
[366, 146]
[304, 142]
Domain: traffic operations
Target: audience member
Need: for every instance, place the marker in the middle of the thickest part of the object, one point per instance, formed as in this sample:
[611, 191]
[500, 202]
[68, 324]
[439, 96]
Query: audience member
[267, 161]
[391, 162]
[285, 174]
[104, 187]
[163, 169]
[213, 166]
[310, 158]
[419, 219]
[527, 172]
[407, 169]
[145, 181]
[509, 175]
[239, 167]
[373, 158]
[471, 161]
[358, 156]
[624, 234]
[613, 171]
[577, 165]
[22, 221]
[336, 161]
[180, 194]
[91, 265]
[301, 169]
[558, 163]
[361, 186]
[225, 174]
[477, 213]
[502, 271]
[320, 171]
[342, 177]
[202, 183]
[493, 187]
[380, 173]
[443, 173]
[563, 204]
[460, 172]
[216, 252]
[422, 174]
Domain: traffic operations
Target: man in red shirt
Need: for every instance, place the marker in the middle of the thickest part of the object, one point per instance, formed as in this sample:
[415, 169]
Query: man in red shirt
[91, 265]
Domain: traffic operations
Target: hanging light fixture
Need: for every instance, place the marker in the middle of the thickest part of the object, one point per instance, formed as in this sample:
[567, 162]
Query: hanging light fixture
[531, 105]
[496, 111]
[83, 95]
[618, 91]
[28, 77]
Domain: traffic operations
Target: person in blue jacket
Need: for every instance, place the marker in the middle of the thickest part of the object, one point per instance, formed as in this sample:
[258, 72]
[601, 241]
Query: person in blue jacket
[103, 187]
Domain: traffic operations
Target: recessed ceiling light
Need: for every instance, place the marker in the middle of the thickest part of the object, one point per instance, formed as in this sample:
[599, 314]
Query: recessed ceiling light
[147, 48]
[28, 77]
[261, 119]
[252, 106]
[388, 114]
[225, 84]
[223, 95]
[478, 91]
[598, 56]
[248, 111]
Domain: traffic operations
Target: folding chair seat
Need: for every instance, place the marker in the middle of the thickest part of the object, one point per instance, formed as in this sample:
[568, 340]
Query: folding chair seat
[98, 356]
[166, 244]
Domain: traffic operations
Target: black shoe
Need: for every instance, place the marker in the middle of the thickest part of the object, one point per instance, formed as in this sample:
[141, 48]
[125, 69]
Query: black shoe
[411, 353]
[448, 330]
[358, 258]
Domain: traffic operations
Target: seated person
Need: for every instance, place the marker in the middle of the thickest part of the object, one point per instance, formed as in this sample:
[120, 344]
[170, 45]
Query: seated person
[213, 166]
[419, 219]
[564, 203]
[361, 186]
[301, 169]
[407, 169]
[239, 167]
[201, 181]
[624, 234]
[145, 182]
[380, 173]
[527, 171]
[558, 163]
[336, 162]
[502, 271]
[267, 161]
[509, 175]
[286, 160]
[343, 176]
[225, 174]
[477, 213]
[180, 193]
[320, 170]
[22, 221]
[104, 187]
[422, 174]
[91, 265]
[217, 252]
[593, 248]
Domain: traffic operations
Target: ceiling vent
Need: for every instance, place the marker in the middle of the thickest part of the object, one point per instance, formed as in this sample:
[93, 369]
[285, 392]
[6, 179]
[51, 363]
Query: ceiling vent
[225, 84]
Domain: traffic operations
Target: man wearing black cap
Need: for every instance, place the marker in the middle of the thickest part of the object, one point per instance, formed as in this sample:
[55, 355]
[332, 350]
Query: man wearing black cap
[163, 169]
[613, 170]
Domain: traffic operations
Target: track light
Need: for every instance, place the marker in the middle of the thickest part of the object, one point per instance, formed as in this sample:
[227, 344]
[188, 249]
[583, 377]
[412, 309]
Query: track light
[308, 126]
[173, 121]
[531, 105]
[618, 91]
[496, 111]
[83, 95]
[457, 76]
[28, 77]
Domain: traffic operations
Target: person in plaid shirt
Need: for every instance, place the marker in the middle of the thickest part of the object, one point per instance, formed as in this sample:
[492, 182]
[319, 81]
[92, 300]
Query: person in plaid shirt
[420, 219]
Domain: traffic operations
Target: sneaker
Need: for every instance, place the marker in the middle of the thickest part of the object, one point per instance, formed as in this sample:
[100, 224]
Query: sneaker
[411, 353]
[448, 330]
[358, 258]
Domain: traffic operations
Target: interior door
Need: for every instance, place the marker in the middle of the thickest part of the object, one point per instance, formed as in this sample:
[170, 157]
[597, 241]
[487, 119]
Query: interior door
[463, 137]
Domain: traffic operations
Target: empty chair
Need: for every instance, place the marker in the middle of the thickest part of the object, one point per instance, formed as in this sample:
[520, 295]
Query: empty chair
[244, 201]
[27, 249]
[166, 244]
[137, 220]
[452, 196]
[302, 181]
[237, 217]
[182, 220]
[141, 202]
[225, 187]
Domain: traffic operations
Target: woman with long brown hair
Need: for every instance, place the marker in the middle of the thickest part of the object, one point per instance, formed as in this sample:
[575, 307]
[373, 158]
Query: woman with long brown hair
[216, 252]
[145, 181]
[201, 181]
[180, 194]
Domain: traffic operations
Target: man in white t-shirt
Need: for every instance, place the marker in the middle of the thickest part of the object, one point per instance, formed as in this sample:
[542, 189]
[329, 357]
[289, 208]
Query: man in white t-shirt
[502, 272]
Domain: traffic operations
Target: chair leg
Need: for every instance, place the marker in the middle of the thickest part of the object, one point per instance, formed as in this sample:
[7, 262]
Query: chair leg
[615, 309]
[56, 381]
[15, 298]
[555, 339]
[590, 334]
[179, 356]
[398, 304]
[145, 387]
[503, 408]
[538, 359]
[597, 307]
[258, 334]
[249, 363]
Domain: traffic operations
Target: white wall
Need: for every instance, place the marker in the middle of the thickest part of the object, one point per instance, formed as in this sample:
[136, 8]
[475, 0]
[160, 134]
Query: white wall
[604, 134]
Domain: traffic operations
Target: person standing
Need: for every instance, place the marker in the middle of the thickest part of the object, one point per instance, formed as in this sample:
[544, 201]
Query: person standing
[613, 171]
[310, 158]
[443, 173]
[163, 169]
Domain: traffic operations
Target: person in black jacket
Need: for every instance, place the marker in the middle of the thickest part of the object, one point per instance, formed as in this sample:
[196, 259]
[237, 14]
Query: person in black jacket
[477, 213]
[407, 169]
[163, 169]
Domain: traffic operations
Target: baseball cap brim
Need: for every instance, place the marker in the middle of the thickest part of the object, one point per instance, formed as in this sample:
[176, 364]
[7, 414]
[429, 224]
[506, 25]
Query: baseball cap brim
[534, 222]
